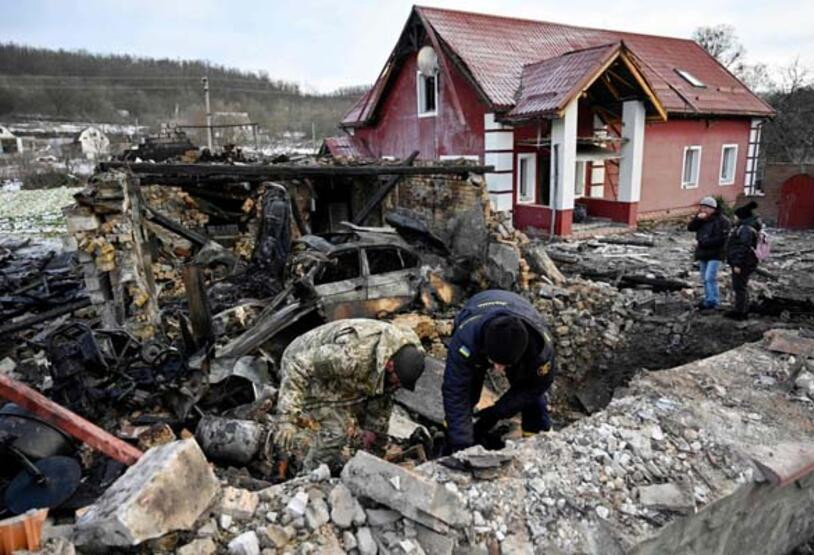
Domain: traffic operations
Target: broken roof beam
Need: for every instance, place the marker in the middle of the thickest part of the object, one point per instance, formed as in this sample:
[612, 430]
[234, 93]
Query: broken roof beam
[282, 171]
[67, 421]
[383, 191]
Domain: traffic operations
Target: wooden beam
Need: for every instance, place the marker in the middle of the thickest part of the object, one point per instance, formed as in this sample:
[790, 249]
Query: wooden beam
[199, 313]
[383, 191]
[611, 87]
[282, 171]
[620, 78]
[67, 421]
[640, 78]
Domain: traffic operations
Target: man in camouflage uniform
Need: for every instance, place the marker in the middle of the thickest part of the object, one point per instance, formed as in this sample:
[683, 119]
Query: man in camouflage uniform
[337, 387]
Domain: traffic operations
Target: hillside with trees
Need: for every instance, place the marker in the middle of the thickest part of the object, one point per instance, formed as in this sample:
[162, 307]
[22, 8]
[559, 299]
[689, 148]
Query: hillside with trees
[77, 85]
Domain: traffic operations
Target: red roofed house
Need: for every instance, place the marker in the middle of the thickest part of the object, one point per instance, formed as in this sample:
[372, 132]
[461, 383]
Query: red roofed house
[628, 125]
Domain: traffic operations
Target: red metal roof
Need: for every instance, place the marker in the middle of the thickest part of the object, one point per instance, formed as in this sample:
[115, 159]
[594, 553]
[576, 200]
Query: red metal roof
[346, 145]
[547, 86]
[495, 49]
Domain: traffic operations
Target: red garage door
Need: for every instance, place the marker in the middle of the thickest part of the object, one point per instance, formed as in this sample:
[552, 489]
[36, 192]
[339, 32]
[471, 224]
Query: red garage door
[797, 202]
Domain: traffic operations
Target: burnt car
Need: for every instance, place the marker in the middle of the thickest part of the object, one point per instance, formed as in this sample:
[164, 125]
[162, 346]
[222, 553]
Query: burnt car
[361, 273]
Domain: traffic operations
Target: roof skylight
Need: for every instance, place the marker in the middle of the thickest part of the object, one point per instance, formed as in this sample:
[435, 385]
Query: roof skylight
[690, 78]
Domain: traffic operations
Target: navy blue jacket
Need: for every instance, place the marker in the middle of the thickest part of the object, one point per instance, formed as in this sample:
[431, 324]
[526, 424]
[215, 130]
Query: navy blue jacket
[467, 363]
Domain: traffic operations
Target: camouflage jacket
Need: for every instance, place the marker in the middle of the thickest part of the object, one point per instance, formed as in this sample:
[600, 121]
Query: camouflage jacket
[340, 364]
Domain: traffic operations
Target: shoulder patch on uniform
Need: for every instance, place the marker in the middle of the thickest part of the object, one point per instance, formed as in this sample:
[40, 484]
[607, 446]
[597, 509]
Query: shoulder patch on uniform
[544, 369]
[464, 351]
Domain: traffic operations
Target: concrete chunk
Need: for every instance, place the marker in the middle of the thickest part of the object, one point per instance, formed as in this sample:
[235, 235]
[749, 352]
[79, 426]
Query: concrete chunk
[342, 506]
[203, 546]
[365, 542]
[239, 503]
[418, 498]
[167, 489]
[669, 497]
[245, 544]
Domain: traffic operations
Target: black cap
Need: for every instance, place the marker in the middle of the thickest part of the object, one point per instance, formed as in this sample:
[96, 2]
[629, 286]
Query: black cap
[505, 339]
[744, 212]
[409, 365]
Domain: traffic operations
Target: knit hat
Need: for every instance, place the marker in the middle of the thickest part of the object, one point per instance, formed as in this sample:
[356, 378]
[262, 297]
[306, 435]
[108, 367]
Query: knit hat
[505, 339]
[745, 211]
[709, 201]
[409, 365]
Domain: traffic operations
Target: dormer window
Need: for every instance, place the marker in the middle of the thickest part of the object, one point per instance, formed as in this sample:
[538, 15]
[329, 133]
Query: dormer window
[427, 91]
[690, 78]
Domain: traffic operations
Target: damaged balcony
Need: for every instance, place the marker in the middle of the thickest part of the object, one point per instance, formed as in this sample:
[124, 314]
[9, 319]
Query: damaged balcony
[579, 136]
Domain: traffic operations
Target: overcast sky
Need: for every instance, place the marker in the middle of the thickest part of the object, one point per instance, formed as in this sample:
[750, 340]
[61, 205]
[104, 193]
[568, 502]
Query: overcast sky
[324, 44]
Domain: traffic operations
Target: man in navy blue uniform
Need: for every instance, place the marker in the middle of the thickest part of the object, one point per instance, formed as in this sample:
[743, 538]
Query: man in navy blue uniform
[502, 330]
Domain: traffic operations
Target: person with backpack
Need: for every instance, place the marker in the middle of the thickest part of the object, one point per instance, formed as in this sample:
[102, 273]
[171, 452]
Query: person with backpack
[742, 257]
[711, 228]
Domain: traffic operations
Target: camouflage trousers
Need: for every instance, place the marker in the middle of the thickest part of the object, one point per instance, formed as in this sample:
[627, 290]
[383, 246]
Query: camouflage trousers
[325, 435]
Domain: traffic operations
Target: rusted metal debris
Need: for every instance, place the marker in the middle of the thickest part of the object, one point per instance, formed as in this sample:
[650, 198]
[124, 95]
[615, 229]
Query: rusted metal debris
[67, 421]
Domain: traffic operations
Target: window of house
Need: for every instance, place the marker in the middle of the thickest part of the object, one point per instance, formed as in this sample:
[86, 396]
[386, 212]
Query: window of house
[729, 157]
[427, 94]
[342, 266]
[691, 168]
[690, 78]
[526, 177]
[579, 175]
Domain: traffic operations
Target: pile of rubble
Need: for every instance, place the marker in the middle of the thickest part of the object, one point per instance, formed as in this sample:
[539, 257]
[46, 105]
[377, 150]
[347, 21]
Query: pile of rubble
[666, 465]
[197, 288]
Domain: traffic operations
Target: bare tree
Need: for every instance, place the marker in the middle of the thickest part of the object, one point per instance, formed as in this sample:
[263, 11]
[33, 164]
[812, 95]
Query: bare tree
[789, 136]
[722, 42]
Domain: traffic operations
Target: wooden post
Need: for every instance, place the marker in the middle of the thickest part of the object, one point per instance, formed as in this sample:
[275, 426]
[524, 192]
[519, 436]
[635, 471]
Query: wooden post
[383, 191]
[199, 313]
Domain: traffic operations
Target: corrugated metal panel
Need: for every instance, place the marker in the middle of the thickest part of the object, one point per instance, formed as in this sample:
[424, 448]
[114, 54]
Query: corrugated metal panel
[495, 49]
[546, 87]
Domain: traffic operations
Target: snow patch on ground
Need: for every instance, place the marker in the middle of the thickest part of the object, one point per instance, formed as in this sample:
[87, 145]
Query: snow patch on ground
[34, 211]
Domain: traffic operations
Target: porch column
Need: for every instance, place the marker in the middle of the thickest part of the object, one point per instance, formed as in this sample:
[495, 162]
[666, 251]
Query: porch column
[630, 166]
[498, 148]
[564, 144]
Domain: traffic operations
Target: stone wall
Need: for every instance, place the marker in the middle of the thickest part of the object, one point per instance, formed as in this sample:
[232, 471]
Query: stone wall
[439, 199]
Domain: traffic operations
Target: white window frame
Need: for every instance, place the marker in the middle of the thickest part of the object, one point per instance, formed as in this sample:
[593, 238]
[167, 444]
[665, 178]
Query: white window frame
[420, 85]
[531, 196]
[579, 174]
[684, 183]
[731, 180]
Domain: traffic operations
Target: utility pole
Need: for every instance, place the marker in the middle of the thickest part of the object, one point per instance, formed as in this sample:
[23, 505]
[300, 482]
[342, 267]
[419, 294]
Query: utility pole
[205, 82]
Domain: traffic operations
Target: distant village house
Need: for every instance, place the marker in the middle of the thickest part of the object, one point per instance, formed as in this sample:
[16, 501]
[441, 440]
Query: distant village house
[9, 142]
[92, 143]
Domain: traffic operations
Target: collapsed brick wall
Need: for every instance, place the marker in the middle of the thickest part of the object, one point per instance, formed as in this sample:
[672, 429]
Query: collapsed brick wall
[113, 251]
[438, 199]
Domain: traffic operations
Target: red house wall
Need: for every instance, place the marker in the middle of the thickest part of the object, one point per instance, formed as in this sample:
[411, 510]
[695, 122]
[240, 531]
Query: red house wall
[398, 131]
[664, 157]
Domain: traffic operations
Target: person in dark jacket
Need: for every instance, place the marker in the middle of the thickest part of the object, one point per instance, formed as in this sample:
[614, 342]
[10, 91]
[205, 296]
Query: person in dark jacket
[741, 257]
[711, 228]
[502, 330]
